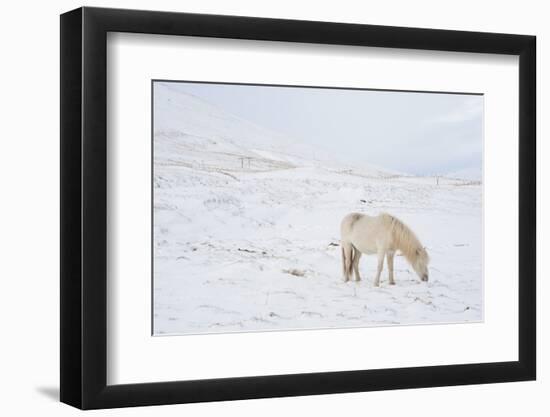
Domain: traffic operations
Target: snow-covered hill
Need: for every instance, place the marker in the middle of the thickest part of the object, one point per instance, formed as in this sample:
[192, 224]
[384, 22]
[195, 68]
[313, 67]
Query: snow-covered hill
[246, 231]
[192, 132]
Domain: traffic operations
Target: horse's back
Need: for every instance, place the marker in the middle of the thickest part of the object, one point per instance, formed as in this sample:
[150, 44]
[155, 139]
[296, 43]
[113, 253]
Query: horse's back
[349, 220]
[354, 223]
[364, 231]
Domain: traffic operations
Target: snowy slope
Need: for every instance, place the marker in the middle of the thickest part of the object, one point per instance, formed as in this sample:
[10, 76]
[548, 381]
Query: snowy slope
[190, 131]
[246, 232]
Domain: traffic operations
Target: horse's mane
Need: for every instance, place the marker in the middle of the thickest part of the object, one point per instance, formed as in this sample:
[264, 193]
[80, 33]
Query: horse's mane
[404, 239]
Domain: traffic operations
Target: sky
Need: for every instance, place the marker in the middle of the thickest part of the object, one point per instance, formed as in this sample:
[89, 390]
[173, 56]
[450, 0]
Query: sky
[409, 132]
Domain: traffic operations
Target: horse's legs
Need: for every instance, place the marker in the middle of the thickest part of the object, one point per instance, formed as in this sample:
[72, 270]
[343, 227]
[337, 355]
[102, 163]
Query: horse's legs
[390, 255]
[381, 254]
[347, 255]
[356, 257]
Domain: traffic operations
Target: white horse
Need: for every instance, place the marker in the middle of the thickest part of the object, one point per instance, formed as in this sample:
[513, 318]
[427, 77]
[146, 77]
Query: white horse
[382, 235]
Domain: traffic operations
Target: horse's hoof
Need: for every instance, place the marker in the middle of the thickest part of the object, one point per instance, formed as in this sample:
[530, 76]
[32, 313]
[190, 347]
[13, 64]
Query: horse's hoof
[392, 283]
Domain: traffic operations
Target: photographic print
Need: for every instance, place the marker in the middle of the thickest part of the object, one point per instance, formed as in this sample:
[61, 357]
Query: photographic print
[290, 208]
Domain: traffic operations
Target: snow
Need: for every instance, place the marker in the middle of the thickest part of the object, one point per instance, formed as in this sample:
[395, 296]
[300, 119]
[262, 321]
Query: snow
[246, 232]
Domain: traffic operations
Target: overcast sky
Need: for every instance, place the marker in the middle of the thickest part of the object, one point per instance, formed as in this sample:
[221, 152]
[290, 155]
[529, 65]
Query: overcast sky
[416, 133]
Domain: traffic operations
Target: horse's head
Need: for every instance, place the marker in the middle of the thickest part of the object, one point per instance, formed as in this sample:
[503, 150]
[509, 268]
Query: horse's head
[421, 263]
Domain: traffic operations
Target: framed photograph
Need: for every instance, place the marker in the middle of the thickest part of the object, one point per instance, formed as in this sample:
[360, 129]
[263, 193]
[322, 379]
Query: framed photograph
[256, 208]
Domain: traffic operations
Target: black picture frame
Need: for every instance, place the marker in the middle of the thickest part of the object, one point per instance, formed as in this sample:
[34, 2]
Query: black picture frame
[84, 207]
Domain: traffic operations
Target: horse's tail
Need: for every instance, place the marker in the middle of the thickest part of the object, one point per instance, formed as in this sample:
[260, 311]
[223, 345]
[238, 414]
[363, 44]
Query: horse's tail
[353, 254]
[344, 261]
[347, 269]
